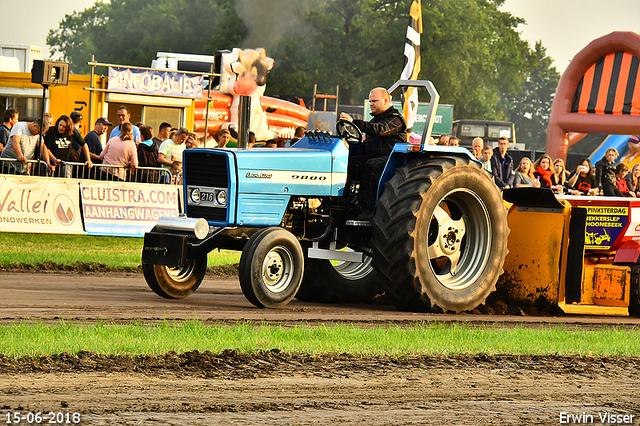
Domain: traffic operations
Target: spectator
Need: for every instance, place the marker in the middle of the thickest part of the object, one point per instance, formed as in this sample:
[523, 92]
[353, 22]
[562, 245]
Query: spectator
[633, 179]
[223, 138]
[559, 178]
[58, 141]
[524, 175]
[123, 117]
[477, 145]
[502, 164]
[176, 172]
[190, 143]
[542, 171]
[164, 132]
[621, 189]
[271, 143]
[386, 128]
[120, 151]
[299, 134]
[147, 155]
[10, 118]
[485, 159]
[94, 140]
[443, 140]
[21, 146]
[454, 141]
[606, 172]
[76, 119]
[171, 150]
[583, 179]
[634, 149]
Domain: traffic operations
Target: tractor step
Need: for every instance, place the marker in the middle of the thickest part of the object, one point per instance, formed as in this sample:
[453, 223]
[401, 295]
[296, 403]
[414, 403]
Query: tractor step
[354, 222]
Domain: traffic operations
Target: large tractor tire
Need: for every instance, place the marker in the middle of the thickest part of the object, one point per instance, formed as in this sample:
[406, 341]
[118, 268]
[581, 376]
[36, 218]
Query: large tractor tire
[339, 282]
[440, 235]
[271, 267]
[175, 283]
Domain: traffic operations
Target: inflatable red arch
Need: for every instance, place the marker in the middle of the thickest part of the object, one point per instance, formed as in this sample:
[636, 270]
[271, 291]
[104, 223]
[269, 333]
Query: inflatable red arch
[598, 93]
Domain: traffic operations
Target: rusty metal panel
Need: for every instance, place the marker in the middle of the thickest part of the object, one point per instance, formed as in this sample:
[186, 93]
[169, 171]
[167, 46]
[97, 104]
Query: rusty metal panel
[611, 285]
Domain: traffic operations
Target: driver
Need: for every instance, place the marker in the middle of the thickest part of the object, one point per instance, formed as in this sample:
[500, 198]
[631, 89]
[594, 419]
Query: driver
[386, 128]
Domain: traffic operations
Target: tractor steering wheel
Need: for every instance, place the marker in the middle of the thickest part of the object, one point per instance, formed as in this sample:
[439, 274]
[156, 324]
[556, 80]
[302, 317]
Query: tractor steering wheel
[349, 132]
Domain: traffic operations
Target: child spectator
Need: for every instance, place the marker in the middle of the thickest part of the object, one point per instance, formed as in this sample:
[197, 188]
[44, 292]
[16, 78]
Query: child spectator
[485, 159]
[147, 155]
[621, 183]
[634, 149]
[176, 173]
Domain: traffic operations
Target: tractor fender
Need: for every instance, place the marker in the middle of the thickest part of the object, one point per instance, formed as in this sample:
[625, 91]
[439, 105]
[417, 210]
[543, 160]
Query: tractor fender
[403, 153]
[628, 252]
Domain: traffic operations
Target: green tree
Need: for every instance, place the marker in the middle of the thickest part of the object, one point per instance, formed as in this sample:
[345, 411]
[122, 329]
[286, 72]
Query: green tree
[472, 54]
[354, 44]
[530, 109]
[469, 50]
[130, 32]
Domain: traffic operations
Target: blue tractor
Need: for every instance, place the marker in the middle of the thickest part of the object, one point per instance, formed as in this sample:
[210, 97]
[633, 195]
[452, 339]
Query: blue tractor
[438, 236]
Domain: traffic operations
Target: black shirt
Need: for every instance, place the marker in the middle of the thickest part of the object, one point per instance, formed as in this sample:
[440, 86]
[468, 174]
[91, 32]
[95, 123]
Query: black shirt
[93, 143]
[383, 132]
[59, 144]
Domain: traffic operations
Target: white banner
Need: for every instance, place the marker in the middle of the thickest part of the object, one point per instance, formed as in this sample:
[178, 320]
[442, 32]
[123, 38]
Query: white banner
[127, 209]
[39, 205]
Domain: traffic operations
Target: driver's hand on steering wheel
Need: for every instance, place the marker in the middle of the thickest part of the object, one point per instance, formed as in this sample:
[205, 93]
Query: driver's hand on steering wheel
[346, 117]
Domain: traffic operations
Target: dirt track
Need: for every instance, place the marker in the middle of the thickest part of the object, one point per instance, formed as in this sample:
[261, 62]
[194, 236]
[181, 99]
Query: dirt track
[230, 388]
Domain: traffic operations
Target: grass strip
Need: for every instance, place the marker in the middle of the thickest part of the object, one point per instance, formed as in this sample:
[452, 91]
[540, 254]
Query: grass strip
[38, 339]
[117, 253]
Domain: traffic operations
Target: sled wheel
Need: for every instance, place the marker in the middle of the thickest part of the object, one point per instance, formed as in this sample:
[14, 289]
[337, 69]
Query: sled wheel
[271, 268]
[175, 283]
[440, 234]
[339, 282]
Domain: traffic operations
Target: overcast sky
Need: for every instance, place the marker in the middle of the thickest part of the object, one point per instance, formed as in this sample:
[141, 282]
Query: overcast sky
[564, 26]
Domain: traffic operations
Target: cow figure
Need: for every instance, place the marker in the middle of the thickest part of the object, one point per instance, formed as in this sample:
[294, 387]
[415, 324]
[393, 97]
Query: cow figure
[245, 74]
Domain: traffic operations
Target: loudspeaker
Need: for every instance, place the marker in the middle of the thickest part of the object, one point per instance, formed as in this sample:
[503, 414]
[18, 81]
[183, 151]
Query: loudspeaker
[217, 67]
[49, 73]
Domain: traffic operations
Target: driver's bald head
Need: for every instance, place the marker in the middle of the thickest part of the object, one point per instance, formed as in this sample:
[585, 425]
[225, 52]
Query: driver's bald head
[380, 91]
[379, 100]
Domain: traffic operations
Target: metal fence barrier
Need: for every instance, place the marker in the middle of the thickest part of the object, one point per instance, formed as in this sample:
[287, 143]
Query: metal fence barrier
[71, 170]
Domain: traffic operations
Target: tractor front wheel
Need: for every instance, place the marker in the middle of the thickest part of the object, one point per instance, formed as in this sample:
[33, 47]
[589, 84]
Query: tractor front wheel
[271, 268]
[175, 283]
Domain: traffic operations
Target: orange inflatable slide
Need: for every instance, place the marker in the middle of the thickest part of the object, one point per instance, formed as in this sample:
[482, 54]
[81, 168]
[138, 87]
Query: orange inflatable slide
[282, 116]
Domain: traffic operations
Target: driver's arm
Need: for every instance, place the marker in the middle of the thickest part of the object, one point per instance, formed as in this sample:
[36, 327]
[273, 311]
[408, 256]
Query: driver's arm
[393, 125]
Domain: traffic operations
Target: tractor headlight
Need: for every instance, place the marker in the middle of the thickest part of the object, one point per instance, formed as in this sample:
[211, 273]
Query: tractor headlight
[221, 198]
[195, 195]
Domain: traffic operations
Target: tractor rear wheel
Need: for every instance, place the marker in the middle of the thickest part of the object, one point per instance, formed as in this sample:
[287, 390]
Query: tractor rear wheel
[271, 266]
[339, 282]
[440, 235]
[175, 283]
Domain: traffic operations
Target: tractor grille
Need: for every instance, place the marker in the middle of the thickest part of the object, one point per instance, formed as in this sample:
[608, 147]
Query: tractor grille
[208, 170]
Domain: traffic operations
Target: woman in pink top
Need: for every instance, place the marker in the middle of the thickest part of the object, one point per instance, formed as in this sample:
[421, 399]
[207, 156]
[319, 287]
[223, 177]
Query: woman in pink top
[120, 151]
